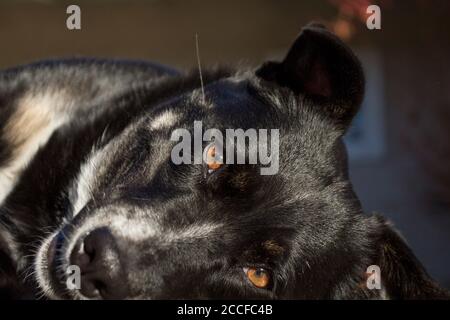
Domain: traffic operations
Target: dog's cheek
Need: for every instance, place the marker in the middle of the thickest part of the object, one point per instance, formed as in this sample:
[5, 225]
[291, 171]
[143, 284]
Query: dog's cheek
[10, 284]
[9, 288]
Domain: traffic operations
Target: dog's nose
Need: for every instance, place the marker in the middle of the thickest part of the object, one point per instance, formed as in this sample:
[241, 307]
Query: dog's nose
[98, 257]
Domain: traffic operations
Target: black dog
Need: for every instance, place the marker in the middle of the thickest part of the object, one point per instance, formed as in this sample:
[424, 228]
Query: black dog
[86, 179]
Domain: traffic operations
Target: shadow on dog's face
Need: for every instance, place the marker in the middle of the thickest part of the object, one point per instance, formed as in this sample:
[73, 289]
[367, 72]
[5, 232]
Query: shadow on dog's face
[144, 227]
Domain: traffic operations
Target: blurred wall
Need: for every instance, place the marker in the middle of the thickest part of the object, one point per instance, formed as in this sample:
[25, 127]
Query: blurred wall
[230, 31]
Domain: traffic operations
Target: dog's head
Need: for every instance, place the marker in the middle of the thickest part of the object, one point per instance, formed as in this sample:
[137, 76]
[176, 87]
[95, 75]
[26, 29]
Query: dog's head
[146, 223]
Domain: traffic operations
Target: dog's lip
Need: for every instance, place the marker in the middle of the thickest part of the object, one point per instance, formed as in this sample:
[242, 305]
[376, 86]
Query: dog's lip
[54, 250]
[55, 261]
[51, 251]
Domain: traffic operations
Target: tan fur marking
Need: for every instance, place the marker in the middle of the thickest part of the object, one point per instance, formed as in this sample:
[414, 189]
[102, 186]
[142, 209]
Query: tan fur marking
[273, 248]
[35, 119]
[25, 123]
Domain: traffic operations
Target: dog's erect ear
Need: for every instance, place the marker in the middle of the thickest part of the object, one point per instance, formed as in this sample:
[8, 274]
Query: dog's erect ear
[321, 67]
[402, 275]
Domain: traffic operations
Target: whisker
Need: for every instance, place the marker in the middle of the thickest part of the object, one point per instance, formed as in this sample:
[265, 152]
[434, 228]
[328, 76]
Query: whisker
[200, 67]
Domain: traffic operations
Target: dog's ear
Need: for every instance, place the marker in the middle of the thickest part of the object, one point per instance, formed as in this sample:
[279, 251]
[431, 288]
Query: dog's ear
[321, 67]
[402, 275]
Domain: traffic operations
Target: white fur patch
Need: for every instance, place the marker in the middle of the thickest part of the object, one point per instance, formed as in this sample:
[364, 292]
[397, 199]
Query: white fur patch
[81, 191]
[83, 184]
[167, 119]
[195, 231]
[137, 231]
[131, 229]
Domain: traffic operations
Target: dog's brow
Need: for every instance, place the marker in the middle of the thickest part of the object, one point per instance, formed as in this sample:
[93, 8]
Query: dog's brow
[273, 248]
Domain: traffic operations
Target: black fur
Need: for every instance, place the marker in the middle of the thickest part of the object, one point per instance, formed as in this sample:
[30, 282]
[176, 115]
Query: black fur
[305, 224]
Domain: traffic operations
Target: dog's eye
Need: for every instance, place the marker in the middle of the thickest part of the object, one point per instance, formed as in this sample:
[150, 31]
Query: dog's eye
[213, 158]
[259, 277]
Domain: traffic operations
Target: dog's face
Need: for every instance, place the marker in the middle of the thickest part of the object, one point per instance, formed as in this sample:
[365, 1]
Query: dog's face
[143, 226]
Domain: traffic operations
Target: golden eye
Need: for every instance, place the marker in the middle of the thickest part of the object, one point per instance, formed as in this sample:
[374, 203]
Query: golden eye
[213, 159]
[259, 277]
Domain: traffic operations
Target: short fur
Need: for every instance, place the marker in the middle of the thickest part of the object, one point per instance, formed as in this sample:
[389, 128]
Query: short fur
[84, 144]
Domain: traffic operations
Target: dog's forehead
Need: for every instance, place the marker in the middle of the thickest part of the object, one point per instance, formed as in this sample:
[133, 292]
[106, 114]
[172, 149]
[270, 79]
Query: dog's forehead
[232, 103]
[229, 89]
[142, 156]
[227, 93]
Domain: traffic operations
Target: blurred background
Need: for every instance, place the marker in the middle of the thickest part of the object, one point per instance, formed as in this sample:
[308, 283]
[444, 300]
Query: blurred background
[399, 144]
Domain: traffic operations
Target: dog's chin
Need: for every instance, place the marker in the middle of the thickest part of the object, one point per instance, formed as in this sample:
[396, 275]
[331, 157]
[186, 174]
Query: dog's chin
[49, 263]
